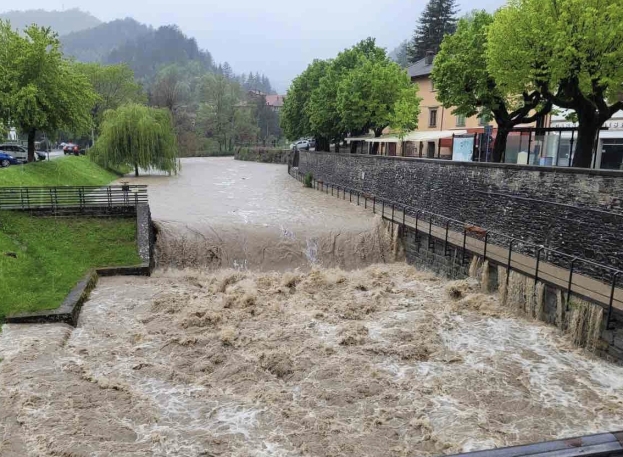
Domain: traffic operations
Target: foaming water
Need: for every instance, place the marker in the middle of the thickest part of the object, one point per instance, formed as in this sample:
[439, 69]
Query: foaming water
[376, 361]
[248, 342]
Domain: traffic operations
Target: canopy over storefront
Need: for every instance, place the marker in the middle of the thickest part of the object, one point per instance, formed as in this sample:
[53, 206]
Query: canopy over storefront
[414, 136]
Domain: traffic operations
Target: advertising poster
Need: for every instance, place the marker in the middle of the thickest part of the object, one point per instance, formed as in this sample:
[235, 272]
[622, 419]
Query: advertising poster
[463, 148]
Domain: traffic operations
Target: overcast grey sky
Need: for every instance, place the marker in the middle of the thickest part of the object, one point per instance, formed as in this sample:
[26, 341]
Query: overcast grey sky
[275, 37]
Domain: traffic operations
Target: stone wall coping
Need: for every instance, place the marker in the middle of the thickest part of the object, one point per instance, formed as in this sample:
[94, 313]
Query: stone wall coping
[510, 166]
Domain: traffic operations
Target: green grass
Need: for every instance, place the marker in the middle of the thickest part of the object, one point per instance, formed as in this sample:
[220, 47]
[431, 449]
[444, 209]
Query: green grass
[65, 171]
[54, 254]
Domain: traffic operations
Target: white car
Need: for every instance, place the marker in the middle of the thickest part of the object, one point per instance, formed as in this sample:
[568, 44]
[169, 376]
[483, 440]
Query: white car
[302, 145]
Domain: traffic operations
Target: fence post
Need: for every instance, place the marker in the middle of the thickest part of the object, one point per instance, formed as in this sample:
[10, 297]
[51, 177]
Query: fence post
[570, 281]
[431, 242]
[464, 245]
[404, 217]
[508, 265]
[445, 243]
[538, 261]
[612, 289]
[484, 254]
[374, 204]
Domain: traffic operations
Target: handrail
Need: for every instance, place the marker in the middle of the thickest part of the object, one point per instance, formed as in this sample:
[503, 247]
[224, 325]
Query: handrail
[466, 222]
[538, 249]
[72, 197]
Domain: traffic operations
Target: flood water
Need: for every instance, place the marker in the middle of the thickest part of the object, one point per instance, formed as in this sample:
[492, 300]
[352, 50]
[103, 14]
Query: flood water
[229, 351]
[221, 213]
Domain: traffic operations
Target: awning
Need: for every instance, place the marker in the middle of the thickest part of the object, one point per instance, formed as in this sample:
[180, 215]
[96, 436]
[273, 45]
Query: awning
[359, 138]
[432, 135]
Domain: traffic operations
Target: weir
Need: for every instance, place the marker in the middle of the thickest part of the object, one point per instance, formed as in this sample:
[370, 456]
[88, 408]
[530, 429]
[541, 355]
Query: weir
[279, 323]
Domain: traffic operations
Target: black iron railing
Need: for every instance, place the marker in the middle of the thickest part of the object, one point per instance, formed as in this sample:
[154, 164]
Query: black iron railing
[72, 197]
[423, 222]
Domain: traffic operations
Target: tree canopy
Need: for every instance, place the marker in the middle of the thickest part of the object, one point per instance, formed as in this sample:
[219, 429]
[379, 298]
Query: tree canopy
[41, 91]
[114, 85]
[357, 91]
[568, 50]
[464, 82]
[436, 21]
[137, 136]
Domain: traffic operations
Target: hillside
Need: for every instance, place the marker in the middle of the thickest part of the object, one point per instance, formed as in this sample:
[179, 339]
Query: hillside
[95, 44]
[63, 22]
[158, 48]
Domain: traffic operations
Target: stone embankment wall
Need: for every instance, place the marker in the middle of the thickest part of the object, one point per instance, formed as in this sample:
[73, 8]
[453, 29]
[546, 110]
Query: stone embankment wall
[263, 155]
[576, 211]
[579, 212]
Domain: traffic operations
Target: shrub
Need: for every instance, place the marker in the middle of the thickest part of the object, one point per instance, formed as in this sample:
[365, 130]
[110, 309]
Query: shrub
[308, 180]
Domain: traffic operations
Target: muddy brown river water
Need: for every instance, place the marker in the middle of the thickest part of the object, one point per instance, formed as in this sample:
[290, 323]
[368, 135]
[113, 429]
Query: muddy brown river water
[266, 359]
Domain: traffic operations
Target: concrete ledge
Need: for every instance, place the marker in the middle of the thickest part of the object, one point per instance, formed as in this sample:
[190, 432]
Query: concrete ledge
[138, 270]
[69, 310]
[605, 444]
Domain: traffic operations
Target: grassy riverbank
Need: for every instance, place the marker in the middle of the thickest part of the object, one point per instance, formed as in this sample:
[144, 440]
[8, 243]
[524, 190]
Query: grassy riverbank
[53, 254]
[65, 171]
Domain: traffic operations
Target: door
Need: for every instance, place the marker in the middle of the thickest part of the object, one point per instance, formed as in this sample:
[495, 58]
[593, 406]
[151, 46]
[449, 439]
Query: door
[430, 153]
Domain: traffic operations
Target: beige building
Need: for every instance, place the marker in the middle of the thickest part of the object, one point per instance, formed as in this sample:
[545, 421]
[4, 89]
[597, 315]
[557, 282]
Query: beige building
[435, 118]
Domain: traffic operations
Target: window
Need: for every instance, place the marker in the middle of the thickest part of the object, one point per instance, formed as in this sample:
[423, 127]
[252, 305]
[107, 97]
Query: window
[482, 121]
[460, 120]
[432, 118]
[432, 85]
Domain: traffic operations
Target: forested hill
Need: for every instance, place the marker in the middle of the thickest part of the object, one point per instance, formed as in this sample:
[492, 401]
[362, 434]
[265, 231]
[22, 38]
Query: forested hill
[147, 51]
[164, 46]
[63, 22]
[96, 44]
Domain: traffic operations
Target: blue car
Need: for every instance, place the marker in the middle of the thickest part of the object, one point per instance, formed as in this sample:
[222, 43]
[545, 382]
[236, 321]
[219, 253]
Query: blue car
[7, 159]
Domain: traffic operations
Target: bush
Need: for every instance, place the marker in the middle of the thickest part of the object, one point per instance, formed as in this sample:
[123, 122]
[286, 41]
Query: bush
[308, 180]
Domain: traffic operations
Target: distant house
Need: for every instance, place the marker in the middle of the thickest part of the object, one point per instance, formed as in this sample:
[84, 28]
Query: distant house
[275, 101]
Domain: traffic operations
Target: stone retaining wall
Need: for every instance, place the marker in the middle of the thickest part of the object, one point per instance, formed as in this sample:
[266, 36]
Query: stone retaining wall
[575, 211]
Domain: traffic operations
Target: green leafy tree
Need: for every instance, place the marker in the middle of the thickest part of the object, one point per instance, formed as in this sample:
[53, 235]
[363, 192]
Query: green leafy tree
[41, 91]
[569, 50]
[367, 95]
[436, 21]
[324, 116]
[295, 120]
[137, 136]
[114, 85]
[464, 83]
[406, 111]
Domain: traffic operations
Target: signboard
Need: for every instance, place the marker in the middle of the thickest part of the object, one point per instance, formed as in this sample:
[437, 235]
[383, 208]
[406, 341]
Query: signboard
[463, 148]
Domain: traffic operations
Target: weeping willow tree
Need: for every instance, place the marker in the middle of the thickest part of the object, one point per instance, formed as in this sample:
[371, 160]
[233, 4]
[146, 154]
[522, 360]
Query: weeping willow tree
[137, 136]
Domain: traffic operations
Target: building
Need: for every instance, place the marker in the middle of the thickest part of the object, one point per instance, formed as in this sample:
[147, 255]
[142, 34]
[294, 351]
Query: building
[609, 151]
[275, 101]
[434, 117]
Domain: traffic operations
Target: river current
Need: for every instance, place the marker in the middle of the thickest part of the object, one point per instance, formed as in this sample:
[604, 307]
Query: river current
[282, 322]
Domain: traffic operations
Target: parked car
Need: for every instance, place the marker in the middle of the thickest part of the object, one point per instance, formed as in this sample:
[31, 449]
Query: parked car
[302, 145]
[8, 159]
[20, 152]
[71, 148]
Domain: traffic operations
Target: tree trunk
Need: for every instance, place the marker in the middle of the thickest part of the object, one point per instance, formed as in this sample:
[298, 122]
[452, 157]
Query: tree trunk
[588, 129]
[31, 145]
[322, 144]
[136, 170]
[499, 147]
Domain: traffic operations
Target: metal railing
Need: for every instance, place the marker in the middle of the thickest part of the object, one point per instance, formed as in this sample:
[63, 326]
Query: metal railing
[423, 221]
[72, 197]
